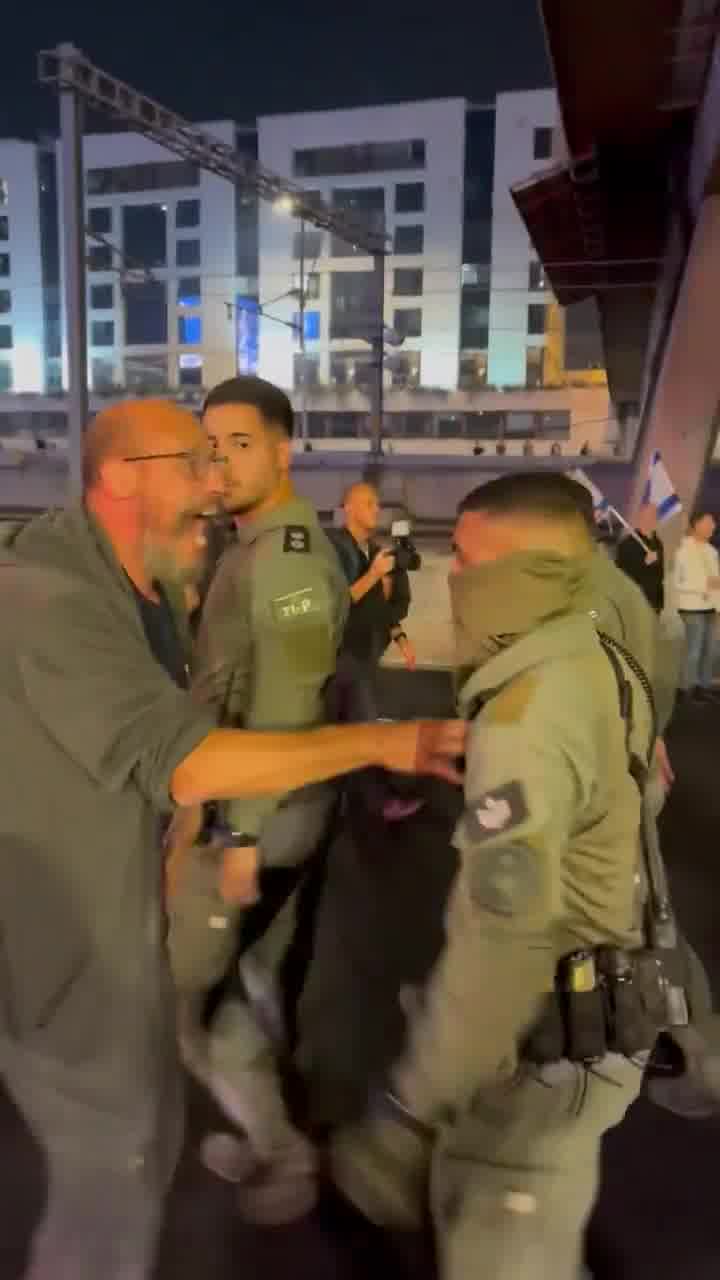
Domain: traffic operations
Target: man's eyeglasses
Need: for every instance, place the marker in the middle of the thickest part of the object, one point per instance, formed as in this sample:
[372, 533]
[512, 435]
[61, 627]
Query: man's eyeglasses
[199, 463]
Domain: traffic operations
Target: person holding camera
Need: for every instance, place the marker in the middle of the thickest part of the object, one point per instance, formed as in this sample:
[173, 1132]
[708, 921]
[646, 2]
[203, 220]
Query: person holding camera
[380, 602]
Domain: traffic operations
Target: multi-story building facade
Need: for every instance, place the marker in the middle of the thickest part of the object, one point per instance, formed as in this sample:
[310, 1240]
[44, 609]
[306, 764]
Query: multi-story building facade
[190, 281]
[165, 266]
[29, 298]
[401, 168]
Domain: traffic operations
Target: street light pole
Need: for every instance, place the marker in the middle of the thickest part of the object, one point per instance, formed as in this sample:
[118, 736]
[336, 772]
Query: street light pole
[303, 362]
[75, 302]
[377, 343]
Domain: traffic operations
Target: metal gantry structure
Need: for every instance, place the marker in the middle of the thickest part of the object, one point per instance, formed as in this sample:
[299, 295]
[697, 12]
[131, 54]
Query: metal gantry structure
[80, 83]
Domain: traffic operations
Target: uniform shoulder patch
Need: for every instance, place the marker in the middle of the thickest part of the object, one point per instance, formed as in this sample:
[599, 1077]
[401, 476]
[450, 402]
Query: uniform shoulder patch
[505, 881]
[510, 704]
[496, 812]
[297, 538]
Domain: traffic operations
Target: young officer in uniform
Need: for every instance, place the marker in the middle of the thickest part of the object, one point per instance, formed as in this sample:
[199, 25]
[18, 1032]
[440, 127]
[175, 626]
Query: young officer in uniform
[266, 649]
[510, 1076]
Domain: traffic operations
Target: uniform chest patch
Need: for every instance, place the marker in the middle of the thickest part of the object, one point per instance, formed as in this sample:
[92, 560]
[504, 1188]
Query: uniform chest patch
[297, 538]
[298, 605]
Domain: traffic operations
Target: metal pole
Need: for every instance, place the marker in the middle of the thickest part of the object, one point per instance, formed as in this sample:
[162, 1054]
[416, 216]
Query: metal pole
[378, 347]
[303, 364]
[75, 304]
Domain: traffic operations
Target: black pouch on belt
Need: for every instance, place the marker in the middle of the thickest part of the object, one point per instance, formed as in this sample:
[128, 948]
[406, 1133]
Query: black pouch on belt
[632, 1026]
[584, 1009]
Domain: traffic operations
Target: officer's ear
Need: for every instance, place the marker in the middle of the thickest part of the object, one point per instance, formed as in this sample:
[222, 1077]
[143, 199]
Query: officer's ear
[284, 452]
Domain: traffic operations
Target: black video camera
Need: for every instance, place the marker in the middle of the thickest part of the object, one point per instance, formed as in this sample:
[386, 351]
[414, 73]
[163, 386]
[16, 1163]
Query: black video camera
[407, 556]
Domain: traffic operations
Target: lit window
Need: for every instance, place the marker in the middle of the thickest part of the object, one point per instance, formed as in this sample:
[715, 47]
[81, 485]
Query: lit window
[312, 325]
[189, 291]
[190, 330]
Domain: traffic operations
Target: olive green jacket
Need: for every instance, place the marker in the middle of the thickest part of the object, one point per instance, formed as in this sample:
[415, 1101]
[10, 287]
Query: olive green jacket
[93, 729]
[549, 854]
[269, 635]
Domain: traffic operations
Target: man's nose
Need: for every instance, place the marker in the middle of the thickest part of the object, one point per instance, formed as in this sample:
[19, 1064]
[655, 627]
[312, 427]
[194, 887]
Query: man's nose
[216, 481]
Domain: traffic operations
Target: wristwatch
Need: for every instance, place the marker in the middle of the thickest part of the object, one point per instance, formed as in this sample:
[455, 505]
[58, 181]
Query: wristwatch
[224, 834]
[399, 635]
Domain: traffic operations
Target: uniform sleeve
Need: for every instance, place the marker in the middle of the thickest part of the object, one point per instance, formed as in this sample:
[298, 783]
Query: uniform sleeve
[294, 620]
[223, 653]
[99, 693]
[499, 958]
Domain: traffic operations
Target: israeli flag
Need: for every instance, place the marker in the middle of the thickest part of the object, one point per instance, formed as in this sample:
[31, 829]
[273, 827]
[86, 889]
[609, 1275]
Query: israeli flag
[601, 505]
[660, 490]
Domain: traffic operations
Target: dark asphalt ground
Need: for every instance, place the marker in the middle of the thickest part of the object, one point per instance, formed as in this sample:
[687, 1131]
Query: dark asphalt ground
[657, 1216]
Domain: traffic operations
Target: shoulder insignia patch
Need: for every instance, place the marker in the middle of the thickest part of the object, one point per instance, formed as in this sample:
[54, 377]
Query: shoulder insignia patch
[505, 881]
[297, 538]
[509, 706]
[495, 813]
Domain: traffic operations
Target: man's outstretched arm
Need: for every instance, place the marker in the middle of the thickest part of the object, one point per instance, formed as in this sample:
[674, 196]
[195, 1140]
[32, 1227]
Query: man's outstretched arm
[229, 763]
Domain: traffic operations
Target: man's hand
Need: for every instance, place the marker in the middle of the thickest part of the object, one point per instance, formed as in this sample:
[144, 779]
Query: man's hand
[408, 652]
[381, 1167]
[383, 563]
[239, 872]
[428, 746]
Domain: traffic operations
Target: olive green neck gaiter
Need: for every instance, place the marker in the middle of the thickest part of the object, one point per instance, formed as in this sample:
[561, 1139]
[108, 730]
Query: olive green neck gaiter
[497, 603]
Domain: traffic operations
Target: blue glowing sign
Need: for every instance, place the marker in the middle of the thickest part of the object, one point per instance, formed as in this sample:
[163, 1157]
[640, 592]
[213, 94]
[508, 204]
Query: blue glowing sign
[312, 325]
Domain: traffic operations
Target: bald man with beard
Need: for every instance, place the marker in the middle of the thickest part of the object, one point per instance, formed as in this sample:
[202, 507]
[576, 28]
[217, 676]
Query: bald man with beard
[101, 741]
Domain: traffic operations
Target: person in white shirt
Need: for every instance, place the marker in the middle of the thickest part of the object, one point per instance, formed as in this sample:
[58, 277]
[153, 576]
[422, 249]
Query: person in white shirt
[697, 579]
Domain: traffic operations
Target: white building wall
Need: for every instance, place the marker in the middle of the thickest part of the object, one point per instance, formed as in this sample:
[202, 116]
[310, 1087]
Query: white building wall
[20, 189]
[216, 233]
[442, 125]
[517, 116]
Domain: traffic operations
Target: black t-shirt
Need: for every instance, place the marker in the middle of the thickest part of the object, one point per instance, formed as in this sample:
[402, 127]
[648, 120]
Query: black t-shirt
[162, 636]
[650, 578]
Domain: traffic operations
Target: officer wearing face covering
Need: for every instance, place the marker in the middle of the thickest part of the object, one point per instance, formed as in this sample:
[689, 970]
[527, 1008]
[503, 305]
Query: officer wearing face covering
[530, 1037]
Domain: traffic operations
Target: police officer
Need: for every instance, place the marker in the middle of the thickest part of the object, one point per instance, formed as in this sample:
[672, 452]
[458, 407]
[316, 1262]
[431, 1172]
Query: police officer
[511, 1072]
[266, 648]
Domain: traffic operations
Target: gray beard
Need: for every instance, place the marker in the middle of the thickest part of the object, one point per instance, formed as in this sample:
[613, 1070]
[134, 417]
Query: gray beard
[161, 567]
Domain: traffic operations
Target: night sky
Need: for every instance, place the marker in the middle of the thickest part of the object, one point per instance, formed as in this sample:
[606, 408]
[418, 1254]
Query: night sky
[210, 60]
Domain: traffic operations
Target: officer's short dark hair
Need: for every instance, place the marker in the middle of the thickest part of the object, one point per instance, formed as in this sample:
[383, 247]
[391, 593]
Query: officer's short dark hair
[271, 403]
[551, 494]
